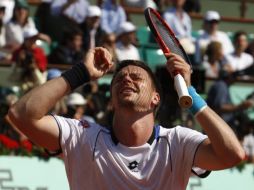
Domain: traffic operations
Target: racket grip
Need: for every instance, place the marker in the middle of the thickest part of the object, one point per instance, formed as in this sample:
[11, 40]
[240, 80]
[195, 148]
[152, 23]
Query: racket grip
[185, 100]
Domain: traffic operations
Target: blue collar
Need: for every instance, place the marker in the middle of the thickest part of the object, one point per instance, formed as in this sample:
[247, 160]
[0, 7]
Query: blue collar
[155, 135]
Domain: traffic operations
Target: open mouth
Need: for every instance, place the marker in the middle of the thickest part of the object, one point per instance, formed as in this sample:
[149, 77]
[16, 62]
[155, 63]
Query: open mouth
[127, 90]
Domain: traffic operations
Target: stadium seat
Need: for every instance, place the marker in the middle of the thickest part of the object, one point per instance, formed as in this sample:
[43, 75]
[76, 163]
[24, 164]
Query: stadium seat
[141, 53]
[143, 35]
[154, 57]
[44, 45]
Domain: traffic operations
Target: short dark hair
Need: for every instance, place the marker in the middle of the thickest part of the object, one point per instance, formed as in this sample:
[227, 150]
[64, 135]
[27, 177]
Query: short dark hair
[238, 34]
[144, 66]
[69, 34]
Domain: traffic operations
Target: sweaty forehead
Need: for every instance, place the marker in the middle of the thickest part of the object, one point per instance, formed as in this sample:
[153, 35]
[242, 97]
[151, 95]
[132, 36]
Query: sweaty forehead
[134, 70]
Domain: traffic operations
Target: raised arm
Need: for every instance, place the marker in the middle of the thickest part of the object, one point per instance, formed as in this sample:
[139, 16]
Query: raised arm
[29, 113]
[222, 149]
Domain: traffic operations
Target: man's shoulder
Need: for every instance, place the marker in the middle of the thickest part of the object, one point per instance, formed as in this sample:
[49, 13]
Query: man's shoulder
[166, 132]
[91, 127]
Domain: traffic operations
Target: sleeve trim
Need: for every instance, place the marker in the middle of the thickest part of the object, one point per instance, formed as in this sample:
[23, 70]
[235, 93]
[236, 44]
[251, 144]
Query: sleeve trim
[207, 172]
[59, 151]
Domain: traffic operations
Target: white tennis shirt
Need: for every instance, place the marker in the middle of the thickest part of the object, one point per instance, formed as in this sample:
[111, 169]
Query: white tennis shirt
[94, 161]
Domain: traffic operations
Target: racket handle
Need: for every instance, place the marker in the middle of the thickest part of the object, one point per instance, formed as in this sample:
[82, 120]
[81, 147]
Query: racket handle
[185, 100]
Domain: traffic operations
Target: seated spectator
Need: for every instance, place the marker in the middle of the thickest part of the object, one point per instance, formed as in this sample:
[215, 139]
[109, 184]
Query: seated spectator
[248, 143]
[113, 15]
[20, 24]
[211, 33]
[69, 50]
[239, 60]
[126, 37]
[5, 56]
[60, 107]
[31, 63]
[9, 6]
[30, 51]
[213, 60]
[139, 3]
[192, 6]
[220, 101]
[109, 42]
[73, 10]
[92, 32]
[180, 22]
[2, 26]
[76, 104]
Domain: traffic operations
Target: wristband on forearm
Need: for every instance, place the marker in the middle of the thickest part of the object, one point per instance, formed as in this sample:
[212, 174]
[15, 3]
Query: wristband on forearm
[198, 102]
[76, 76]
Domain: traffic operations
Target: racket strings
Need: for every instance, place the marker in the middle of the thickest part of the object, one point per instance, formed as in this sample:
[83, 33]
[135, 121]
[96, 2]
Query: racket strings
[169, 40]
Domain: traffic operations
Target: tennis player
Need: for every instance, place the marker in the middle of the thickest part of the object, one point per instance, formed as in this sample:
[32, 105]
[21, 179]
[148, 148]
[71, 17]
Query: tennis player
[135, 153]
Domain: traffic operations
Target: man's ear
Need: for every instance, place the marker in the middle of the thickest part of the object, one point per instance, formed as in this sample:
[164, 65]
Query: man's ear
[156, 98]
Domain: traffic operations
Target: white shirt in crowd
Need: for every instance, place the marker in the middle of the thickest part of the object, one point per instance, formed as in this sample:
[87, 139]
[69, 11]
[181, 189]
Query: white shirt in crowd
[95, 161]
[2, 36]
[210, 71]
[76, 11]
[239, 63]
[204, 39]
[123, 52]
[9, 6]
[181, 27]
[15, 32]
[248, 144]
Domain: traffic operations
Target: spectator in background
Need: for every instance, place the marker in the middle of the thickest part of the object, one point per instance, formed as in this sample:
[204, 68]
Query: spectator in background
[250, 48]
[2, 25]
[30, 52]
[113, 15]
[213, 60]
[239, 60]
[60, 107]
[76, 104]
[73, 10]
[92, 32]
[5, 56]
[70, 50]
[109, 42]
[9, 6]
[126, 38]
[19, 25]
[180, 22]
[192, 6]
[31, 63]
[248, 142]
[139, 3]
[211, 33]
[220, 101]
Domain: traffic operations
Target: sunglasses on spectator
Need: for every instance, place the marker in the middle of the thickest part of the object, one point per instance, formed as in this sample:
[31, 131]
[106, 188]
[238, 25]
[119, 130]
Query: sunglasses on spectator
[213, 21]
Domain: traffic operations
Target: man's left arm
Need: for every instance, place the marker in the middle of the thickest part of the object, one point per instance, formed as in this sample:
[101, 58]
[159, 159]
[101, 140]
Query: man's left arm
[222, 149]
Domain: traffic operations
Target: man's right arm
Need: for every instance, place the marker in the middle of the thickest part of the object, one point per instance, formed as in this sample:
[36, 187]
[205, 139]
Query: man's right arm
[28, 114]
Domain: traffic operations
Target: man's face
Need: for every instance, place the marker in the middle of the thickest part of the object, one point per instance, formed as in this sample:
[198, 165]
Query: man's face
[128, 38]
[76, 42]
[241, 43]
[132, 88]
[212, 26]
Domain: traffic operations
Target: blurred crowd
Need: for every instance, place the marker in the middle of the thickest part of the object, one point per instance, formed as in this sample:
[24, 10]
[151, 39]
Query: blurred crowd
[62, 31]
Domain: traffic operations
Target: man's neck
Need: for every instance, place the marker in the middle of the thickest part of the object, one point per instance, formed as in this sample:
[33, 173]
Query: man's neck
[133, 129]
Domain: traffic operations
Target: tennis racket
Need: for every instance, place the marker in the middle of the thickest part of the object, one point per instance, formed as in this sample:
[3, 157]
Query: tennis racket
[169, 43]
